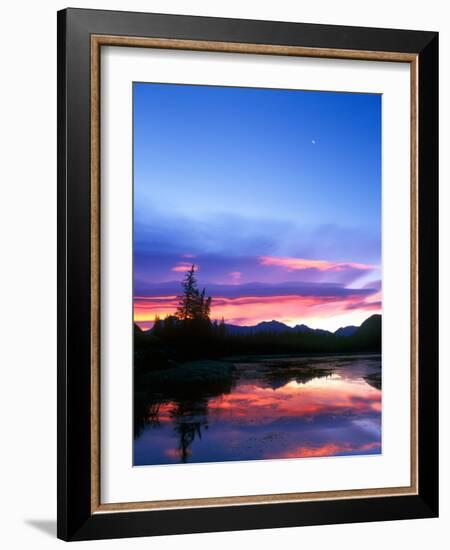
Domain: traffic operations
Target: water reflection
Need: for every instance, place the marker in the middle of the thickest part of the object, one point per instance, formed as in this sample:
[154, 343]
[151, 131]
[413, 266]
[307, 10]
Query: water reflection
[261, 409]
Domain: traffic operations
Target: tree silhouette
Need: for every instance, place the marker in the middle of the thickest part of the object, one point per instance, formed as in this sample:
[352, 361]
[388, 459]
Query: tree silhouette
[157, 326]
[189, 298]
[193, 305]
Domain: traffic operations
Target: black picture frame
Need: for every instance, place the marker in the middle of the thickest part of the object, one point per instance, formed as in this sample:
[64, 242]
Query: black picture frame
[75, 518]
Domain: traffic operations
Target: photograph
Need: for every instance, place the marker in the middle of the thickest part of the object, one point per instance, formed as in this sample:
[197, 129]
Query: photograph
[257, 274]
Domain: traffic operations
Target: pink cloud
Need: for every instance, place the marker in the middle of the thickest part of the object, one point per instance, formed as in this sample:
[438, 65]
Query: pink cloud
[181, 267]
[300, 264]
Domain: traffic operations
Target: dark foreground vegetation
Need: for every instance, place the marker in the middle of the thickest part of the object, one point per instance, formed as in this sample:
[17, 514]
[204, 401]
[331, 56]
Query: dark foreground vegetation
[177, 341]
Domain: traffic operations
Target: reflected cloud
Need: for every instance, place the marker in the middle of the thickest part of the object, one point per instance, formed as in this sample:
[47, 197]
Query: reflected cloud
[331, 449]
[328, 396]
[323, 407]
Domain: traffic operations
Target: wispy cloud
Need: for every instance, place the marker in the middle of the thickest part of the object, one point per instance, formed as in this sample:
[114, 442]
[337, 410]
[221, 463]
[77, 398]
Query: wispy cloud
[301, 264]
[182, 267]
[289, 288]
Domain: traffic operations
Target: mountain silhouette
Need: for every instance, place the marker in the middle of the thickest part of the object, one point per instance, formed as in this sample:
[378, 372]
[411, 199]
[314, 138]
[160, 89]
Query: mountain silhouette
[368, 335]
[346, 331]
[270, 326]
[369, 332]
[277, 326]
[170, 341]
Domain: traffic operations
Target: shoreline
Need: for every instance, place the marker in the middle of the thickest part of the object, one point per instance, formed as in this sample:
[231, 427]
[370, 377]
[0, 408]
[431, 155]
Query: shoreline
[343, 355]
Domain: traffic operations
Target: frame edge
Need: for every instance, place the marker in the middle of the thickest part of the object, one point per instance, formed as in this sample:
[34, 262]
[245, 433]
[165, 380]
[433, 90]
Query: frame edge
[81, 525]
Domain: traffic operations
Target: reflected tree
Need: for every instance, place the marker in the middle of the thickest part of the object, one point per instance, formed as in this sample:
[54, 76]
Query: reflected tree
[189, 417]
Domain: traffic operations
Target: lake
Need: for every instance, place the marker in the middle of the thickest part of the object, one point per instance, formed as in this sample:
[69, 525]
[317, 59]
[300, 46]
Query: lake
[261, 408]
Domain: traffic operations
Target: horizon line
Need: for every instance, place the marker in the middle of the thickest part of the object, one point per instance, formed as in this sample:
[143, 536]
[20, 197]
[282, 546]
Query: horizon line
[261, 322]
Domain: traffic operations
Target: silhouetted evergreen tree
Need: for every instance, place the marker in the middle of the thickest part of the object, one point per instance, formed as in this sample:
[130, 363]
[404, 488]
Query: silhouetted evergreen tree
[188, 301]
[193, 305]
[157, 326]
[206, 307]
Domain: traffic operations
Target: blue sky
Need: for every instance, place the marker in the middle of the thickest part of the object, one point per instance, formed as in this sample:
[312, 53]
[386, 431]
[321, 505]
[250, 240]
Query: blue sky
[225, 177]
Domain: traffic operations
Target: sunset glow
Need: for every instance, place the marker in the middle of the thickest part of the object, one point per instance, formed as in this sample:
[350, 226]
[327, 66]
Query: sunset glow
[250, 310]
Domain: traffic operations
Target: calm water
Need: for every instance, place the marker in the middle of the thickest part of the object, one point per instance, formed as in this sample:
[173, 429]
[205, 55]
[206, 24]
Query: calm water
[270, 408]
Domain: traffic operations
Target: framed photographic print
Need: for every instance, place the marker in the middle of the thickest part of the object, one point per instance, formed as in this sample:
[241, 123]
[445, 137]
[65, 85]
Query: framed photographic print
[248, 295]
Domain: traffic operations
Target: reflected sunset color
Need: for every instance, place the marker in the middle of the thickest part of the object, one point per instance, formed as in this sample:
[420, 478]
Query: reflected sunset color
[276, 408]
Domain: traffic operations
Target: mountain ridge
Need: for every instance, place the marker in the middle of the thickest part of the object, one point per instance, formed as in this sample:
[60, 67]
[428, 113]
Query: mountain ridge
[368, 327]
[278, 326]
[269, 337]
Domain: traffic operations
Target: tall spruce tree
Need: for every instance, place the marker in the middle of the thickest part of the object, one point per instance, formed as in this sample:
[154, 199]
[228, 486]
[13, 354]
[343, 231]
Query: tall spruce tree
[189, 299]
[193, 304]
